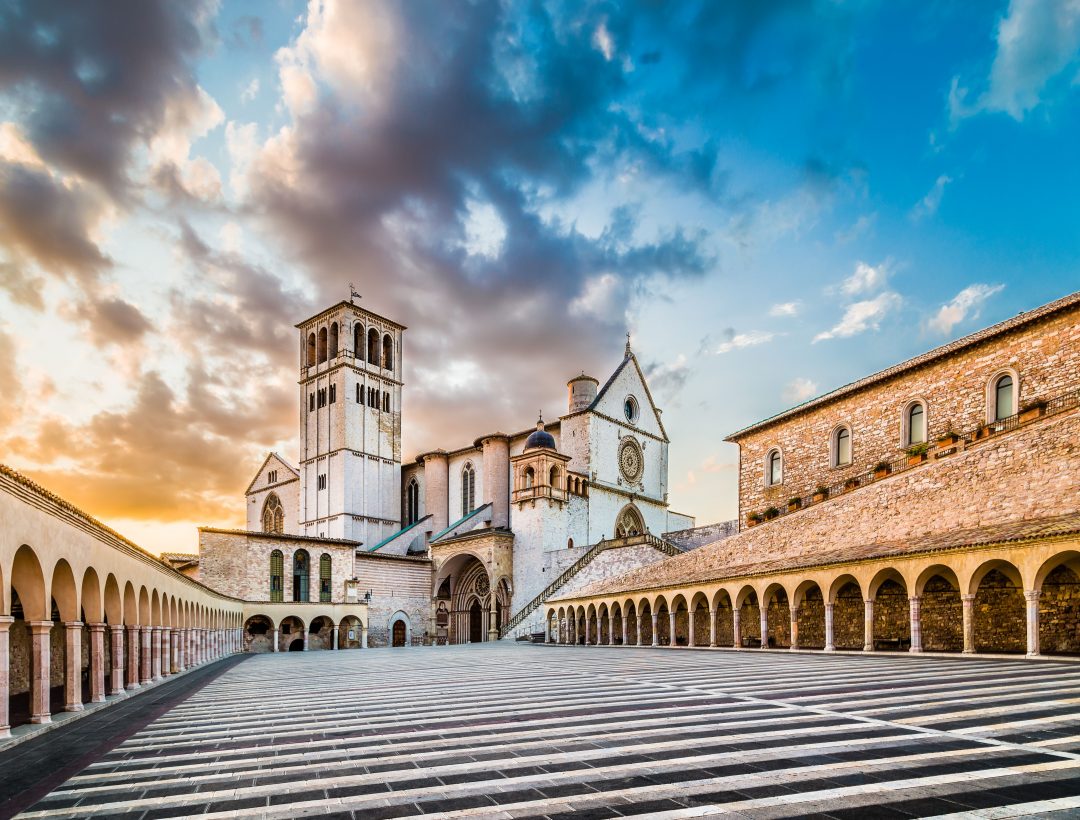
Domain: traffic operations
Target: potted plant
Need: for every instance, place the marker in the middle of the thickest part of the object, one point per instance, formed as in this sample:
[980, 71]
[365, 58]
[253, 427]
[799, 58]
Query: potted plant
[881, 469]
[851, 484]
[917, 452]
[1032, 410]
[794, 503]
[821, 493]
[771, 513]
[948, 439]
[753, 519]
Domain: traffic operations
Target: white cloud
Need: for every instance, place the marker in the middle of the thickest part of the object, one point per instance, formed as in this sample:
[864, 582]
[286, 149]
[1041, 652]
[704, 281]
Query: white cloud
[862, 225]
[1037, 41]
[485, 231]
[866, 279]
[862, 316]
[929, 204]
[603, 41]
[242, 144]
[601, 297]
[251, 91]
[784, 309]
[966, 304]
[799, 390]
[741, 340]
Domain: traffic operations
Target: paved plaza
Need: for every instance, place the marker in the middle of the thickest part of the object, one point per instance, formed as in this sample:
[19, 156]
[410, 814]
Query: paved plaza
[540, 731]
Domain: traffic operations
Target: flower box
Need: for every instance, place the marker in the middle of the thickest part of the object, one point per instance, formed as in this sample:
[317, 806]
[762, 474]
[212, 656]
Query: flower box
[850, 484]
[918, 458]
[820, 494]
[794, 504]
[1032, 412]
[881, 470]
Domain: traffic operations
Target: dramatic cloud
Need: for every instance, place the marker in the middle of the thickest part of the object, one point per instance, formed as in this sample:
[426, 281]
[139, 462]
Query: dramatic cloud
[862, 316]
[1038, 49]
[929, 204]
[965, 305]
[799, 390]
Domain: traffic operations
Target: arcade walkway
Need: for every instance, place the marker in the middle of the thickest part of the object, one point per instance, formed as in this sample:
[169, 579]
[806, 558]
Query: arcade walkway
[499, 730]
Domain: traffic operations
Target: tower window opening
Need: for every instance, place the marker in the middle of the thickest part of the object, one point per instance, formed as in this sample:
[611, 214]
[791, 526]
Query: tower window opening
[388, 352]
[333, 340]
[333, 393]
[322, 345]
[311, 350]
[468, 489]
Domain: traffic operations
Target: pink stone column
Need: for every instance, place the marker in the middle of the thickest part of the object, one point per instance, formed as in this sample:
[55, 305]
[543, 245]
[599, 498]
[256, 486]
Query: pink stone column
[588, 630]
[868, 625]
[830, 639]
[5, 681]
[712, 627]
[73, 666]
[625, 629]
[166, 651]
[610, 629]
[763, 611]
[181, 650]
[155, 653]
[736, 627]
[1032, 596]
[203, 642]
[915, 603]
[794, 612]
[671, 627]
[640, 631]
[146, 654]
[39, 671]
[133, 657]
[97, 663]
[655, 631]
[969, 623]
[116, 676]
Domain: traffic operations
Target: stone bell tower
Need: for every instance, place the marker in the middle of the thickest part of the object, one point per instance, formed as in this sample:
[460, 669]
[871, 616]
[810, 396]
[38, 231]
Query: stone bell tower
[350, 424]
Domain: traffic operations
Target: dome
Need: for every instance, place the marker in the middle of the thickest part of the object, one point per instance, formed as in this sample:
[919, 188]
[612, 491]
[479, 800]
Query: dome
[540, 438]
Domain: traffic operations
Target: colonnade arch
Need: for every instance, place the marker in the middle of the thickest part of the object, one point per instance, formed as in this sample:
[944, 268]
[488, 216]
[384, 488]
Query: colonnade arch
[1009, 599]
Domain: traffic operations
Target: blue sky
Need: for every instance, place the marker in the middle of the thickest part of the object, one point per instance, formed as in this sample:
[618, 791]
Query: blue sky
[774, 198]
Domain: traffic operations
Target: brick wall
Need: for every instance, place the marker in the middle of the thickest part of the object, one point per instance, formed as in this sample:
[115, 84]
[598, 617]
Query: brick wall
[1046, 355]
[396, 585]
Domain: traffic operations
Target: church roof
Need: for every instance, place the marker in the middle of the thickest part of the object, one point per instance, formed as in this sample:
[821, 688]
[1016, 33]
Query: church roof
[270, 455]
[629, 359]
[355, 307]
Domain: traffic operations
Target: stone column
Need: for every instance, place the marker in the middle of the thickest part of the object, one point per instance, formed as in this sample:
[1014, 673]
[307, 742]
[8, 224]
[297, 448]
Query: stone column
[334, 638]
[830, 638]
[655, 631]
[712, 627]
[736, 626]
[794, 612]
[166, 651]
[116, 676]
[640, 631]
[868, 625]
[363, 636]
[610, 629]
[915, 603]
[5, 681]
[671, 627]
[73, 666]
[1032, 596]
[691, 627]
[625, 630]
[181, 650]
[305, 635]
[763, 611]
[155, 653]
[39, 671]
[493, 617]
[146, 654]
[200, 637]
[133, 657]
[969, 623]
[274, 648]
[588, 630]
[174, 652]
[97, 663]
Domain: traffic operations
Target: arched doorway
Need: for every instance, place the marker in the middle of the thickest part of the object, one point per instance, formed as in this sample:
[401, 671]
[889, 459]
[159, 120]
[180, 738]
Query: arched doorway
[398, 638]
[476, 622]
[297, 645]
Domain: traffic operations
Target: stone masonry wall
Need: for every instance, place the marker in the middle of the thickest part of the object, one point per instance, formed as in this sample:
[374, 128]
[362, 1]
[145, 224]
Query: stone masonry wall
[1046, 356]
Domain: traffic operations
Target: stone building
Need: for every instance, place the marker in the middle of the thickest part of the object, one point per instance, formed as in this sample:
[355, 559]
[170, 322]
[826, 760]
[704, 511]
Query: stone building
[933, 506]
[461, 543]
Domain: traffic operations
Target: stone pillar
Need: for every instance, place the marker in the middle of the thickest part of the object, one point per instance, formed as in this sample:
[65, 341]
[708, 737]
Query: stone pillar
[671, 627]
[1032, 596]
[969, 623]
[588, 630]
[712, 627]
[794, 612]
[305, 634]
[736, 626]
[181, 650]
[915, 602]
[763, 612]
[146, 654]
[868, 625]
[691, 627]
[155, 653]
[166, 651]
[830, 638]
[73, 666]
[493, 616]
[640, 631]
[39, 671]
[5, 681]
[97, 663]
[200, 637]
[334, 638]
[625, 629]
[133, 657]
[116, 676]
[274, 633]
[655, 631]
[363, 636]
[496, 448]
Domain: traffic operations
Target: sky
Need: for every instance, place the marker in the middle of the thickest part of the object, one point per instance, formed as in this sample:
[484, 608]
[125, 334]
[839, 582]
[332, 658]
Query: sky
[772, 198]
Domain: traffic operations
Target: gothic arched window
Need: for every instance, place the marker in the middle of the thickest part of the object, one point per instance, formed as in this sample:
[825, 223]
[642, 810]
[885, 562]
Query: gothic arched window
[358, 340]
[412, 502]
[311, 350]
[277, 571]
[325, 569]
[629, 523]
[468, 490]
[373, 346]
[388, 352]
[301, 575]
[273, 515]
[333, 340]
[322, 345]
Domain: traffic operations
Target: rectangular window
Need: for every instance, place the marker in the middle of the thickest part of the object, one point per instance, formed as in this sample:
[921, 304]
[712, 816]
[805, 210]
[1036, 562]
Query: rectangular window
[358, 393]
[322, 481]
[333, 393]
[311, 403]
[386, 402]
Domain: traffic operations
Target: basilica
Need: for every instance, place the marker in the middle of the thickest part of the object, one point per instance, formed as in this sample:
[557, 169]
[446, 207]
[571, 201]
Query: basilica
[459, 544]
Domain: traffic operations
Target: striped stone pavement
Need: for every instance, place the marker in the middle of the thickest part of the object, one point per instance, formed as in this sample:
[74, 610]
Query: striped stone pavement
[502, 730]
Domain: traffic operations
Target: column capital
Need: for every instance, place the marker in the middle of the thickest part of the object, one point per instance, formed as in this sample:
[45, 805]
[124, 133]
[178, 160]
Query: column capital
[915, 598]
[967, 599]
[96, 627]
[39, 626]
[1032, 594]
[73, 624]
[6, 621]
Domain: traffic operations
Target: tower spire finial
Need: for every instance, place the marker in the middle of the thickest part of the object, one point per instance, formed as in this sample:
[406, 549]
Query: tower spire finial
[353, 295]
[540, 420]
[628, 344]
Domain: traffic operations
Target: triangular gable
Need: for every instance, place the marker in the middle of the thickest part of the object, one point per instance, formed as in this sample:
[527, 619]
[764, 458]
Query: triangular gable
[270, 456]
[601, 402]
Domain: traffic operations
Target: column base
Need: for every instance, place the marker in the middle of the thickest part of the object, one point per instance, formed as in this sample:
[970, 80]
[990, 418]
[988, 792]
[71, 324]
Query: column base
[968, 652]
[916, 650]
[73, 707]
[41, 719]
[5, 731]
[1033, 655]
[868, 649]
[132, 686]
[98, 699]
[829, 649]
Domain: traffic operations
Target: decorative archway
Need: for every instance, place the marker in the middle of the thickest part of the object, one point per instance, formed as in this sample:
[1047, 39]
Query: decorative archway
[629, 522]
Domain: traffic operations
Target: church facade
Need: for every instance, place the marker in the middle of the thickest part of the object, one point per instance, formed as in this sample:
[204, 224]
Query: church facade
[461, 543]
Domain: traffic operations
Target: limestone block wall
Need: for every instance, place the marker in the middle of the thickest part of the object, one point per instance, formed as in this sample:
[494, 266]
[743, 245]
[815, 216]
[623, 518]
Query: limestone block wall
[1045, 356]
[688, 539]
[287, 491]
[396, 584]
